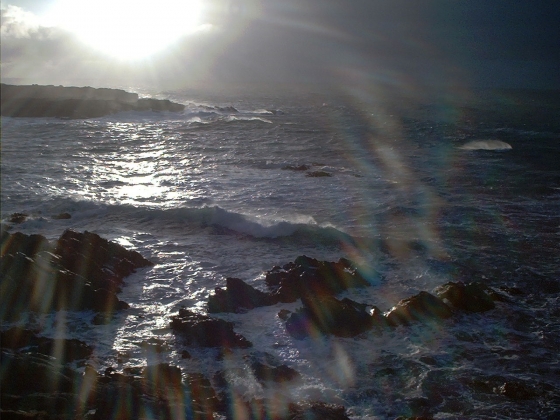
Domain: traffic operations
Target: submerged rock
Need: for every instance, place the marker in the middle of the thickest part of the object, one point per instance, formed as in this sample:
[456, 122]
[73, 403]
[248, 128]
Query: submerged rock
[18, 217]
[62, 216]
[318, 174]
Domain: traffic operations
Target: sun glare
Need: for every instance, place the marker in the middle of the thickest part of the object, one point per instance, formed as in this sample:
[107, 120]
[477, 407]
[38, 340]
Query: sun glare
[128, 29]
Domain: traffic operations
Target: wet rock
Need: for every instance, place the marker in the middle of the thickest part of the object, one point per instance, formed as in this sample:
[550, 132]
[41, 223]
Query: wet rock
[469, 297]
[28, 245]
[318, 174]
[419, 407]
[422, 307]
[26, 373]
[23, 415]
[238, 296]
[18, 217]
[65, 350]
[62, 216]
[517, 391]
[328, 315]
[265, 373]
[163, 375]
[317, 411]
[309, 276]
[267, 369]
[80, 271]
[203, 398]
[296, 167]
[201, 330]
[284, 314]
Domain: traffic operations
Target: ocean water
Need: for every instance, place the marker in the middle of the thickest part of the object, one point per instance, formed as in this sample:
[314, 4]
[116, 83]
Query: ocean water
[416, 196]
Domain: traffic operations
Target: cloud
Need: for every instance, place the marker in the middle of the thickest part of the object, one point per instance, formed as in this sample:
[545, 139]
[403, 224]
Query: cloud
[18, 23]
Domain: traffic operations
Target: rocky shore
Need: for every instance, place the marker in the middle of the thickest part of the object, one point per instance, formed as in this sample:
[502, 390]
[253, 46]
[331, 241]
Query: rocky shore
[75, 102]
[47, 378]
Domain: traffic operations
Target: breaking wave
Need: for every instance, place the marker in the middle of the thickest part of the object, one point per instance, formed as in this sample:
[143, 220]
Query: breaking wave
[486, 145]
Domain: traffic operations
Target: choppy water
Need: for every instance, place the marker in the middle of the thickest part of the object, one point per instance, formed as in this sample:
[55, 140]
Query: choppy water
[212, 193]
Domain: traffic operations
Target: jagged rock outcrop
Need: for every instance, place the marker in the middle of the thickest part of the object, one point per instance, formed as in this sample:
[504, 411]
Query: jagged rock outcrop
[308, 276]
[423, 307]
[305, 276]
[238, 296]
[325, 315]
[75, 102]
[470, 297]
[65, 350]
[79, 271]
[203, 331]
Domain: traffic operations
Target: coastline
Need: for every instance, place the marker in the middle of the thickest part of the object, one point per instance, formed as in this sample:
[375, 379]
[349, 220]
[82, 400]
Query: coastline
[75, 102]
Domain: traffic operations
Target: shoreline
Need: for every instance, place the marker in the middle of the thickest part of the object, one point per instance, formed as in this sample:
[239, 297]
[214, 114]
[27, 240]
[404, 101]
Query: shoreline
[38, 101]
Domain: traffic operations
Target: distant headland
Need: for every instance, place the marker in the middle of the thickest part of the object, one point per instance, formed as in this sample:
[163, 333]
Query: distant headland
[75, 102]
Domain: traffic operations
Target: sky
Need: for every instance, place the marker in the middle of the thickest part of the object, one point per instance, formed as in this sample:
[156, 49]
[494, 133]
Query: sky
[408, 44]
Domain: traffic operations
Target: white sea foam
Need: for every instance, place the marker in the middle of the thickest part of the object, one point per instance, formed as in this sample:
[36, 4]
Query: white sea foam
[486, 145]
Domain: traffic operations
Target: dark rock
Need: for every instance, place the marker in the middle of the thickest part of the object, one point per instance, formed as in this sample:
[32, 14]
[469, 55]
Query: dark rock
[284, 314]
[163, 375]
[65, 350]
[185, 355]
[422, 307]
[328, 315]
[309, 276]
[469, 297]
[80, 271]
[237, 297]
[267, 369]
[296, 168]
[517, 391]
[75, 102]
[62, 216]
[18, 242]
[318, 174]
[31, 373]
[18, 217]
[419, 407]
[203, 398]
[149, 104]
[201, 330]
[23, 415]
[317, 411]
[265, 373]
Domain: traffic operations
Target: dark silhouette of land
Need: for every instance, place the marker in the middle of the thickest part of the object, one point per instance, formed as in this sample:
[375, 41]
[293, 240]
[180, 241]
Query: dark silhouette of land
[75, 102]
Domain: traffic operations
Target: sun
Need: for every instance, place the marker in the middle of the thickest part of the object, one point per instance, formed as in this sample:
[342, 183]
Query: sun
[128, 29]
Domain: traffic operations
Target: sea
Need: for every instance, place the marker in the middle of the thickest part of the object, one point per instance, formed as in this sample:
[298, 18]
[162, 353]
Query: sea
[417, 193]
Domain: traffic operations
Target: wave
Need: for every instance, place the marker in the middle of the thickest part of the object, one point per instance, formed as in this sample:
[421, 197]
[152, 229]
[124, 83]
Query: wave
[200, 216]
[486, 145]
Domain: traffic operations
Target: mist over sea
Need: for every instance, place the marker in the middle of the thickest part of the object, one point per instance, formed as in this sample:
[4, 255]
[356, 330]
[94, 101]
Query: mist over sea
[237, 184]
